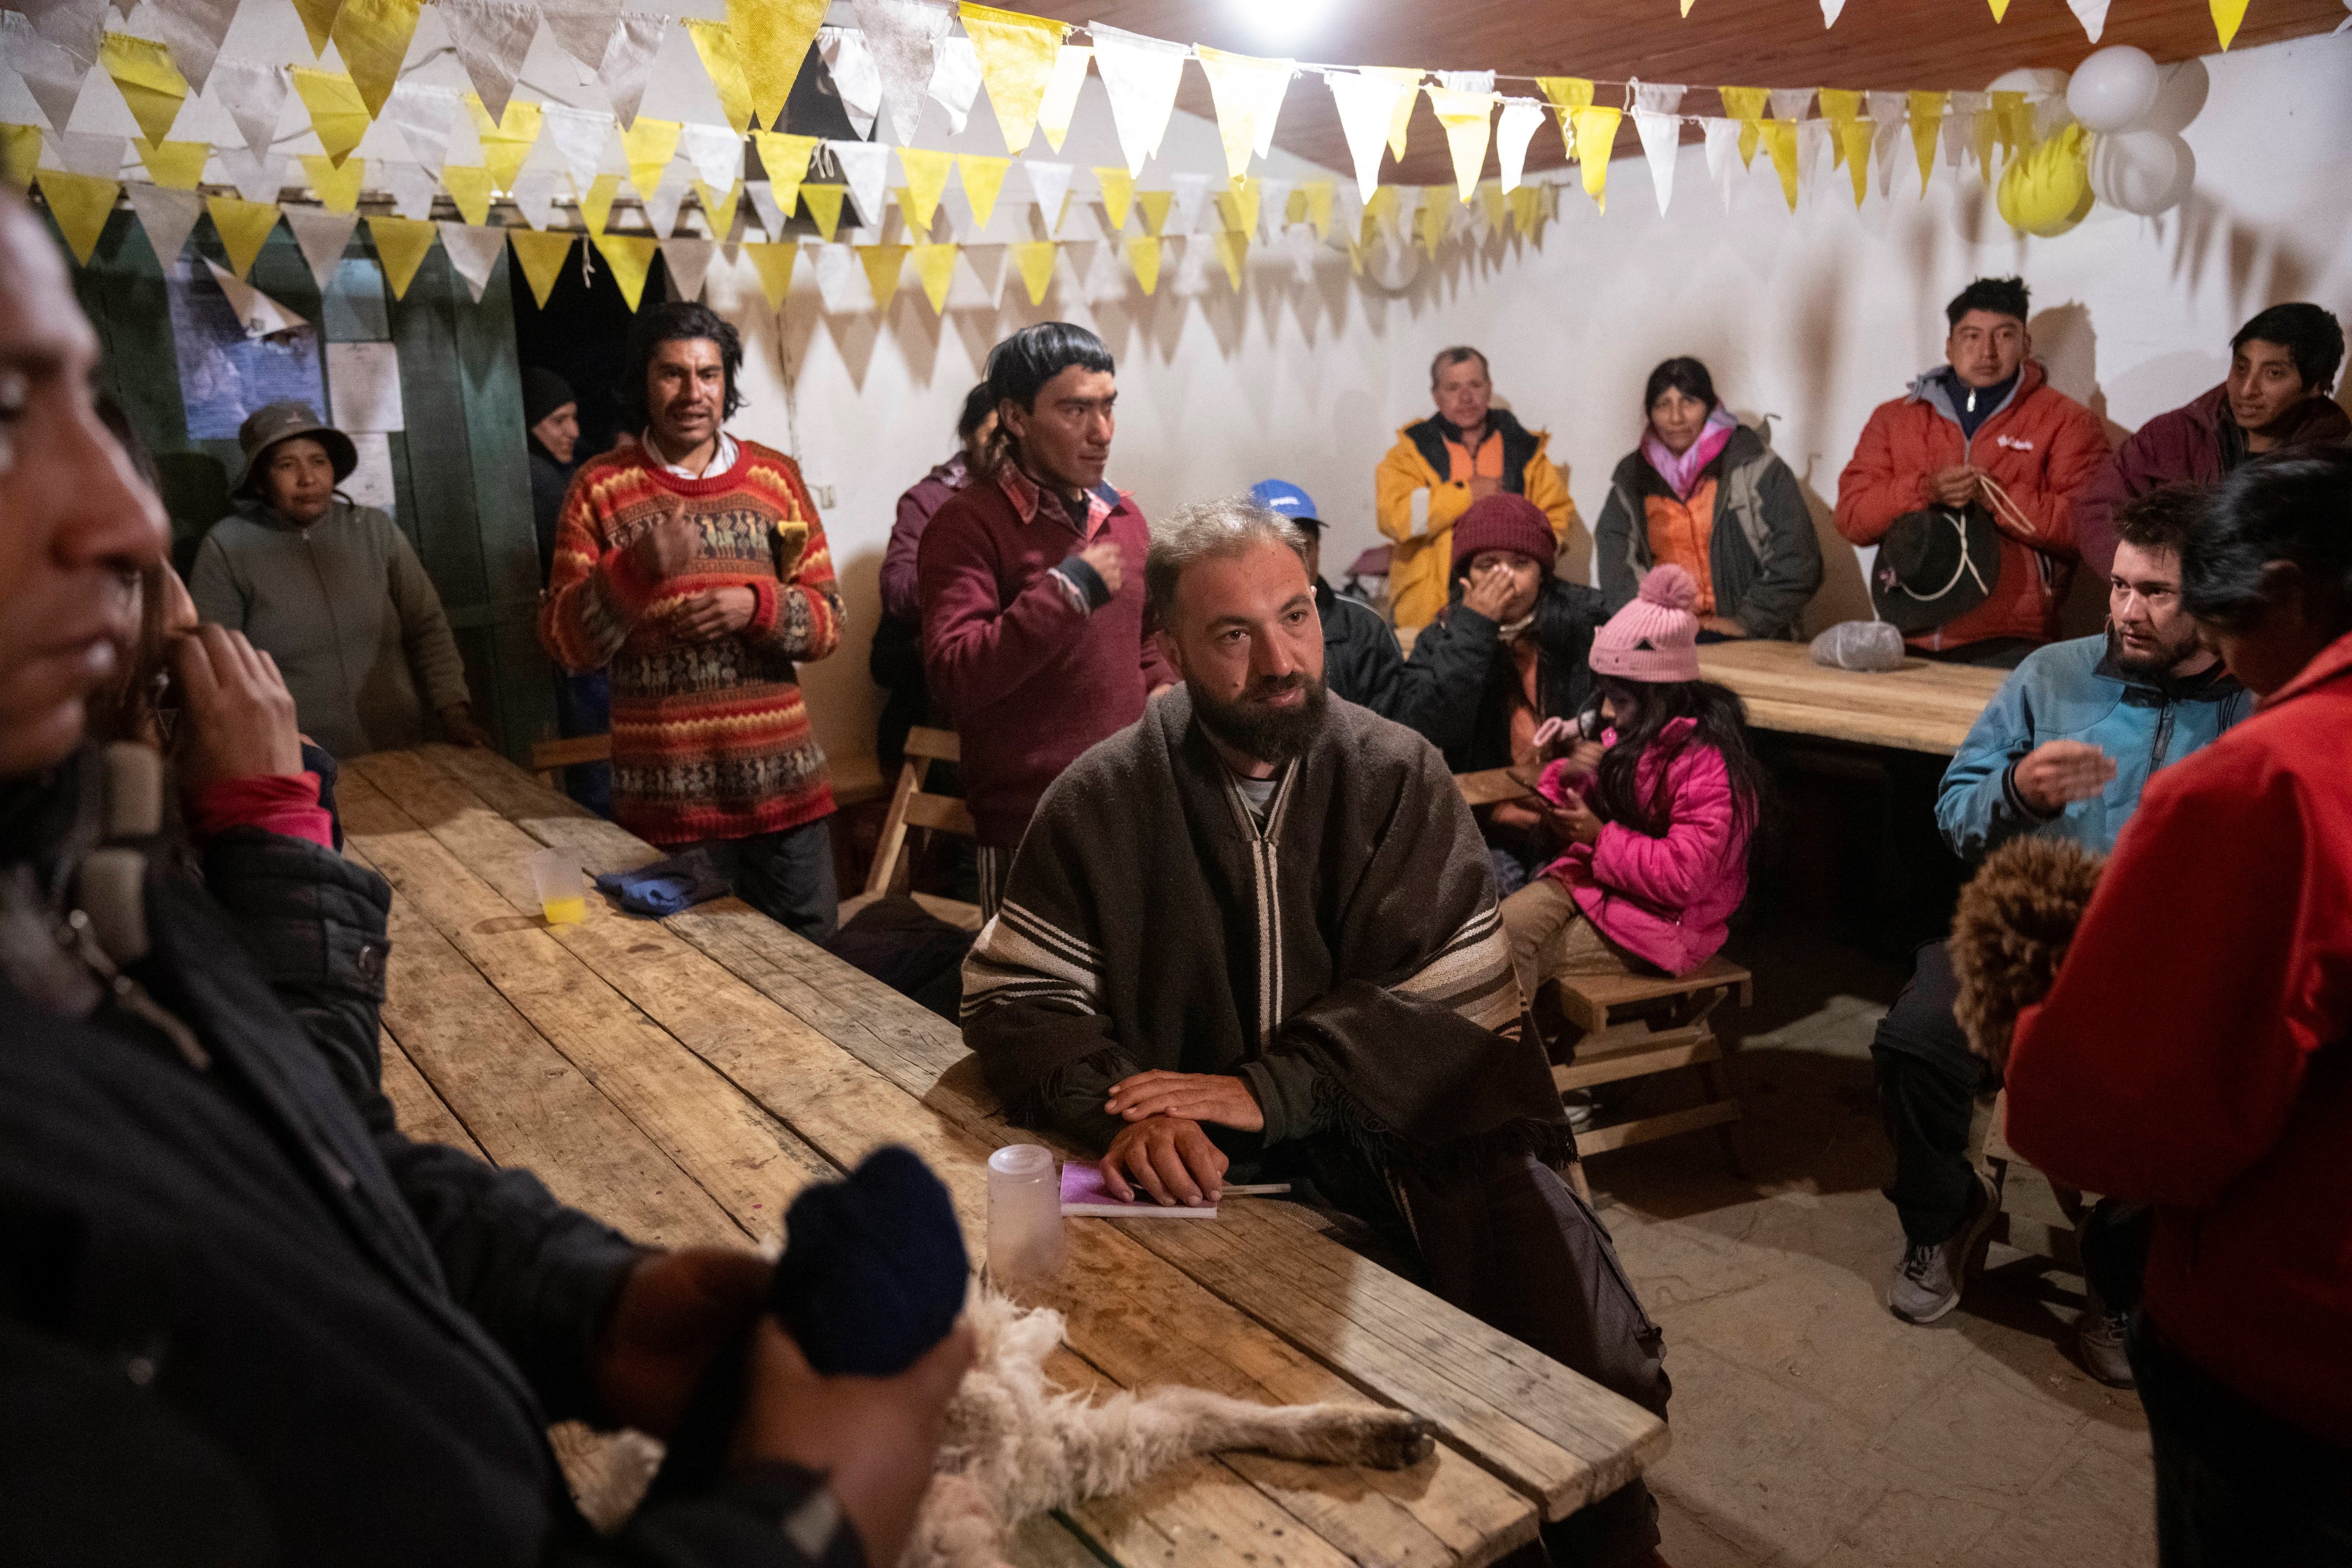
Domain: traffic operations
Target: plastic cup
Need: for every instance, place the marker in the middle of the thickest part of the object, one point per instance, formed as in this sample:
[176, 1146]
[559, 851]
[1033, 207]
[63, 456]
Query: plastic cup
[562, 898]
[1024, 1216]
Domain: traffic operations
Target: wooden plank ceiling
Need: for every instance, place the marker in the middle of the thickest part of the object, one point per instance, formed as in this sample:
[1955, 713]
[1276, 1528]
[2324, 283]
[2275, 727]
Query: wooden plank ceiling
[1884, 44]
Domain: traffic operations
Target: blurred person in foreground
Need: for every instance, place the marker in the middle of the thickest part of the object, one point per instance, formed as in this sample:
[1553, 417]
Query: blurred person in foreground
[244, 1318]
[2195, 1053]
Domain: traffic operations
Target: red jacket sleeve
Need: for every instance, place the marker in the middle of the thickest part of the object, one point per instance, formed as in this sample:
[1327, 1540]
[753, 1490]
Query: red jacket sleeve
[594, 592]
[2078, 449]
[1874, 490]
[977, 648]
[2169, 1089]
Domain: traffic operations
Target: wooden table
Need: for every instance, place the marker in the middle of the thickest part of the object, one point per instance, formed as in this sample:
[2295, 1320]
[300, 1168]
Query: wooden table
[1922, 707]
[682, 1079]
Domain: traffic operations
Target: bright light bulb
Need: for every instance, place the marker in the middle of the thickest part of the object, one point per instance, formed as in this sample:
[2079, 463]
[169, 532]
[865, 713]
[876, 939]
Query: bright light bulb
[1281, 22]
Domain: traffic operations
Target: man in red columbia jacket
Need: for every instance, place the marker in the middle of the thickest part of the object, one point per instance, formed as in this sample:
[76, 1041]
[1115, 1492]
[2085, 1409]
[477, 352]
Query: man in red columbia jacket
[1988, 430]
[2195, 1052]
[2283, 368]
[1031, 590]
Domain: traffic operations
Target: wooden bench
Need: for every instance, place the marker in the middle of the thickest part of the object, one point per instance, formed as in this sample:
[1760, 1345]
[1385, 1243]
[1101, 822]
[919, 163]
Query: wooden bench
[1634, 1026]
[912, 806]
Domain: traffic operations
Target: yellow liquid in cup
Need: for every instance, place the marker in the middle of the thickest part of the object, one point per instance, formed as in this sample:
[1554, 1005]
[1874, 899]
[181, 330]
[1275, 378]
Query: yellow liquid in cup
[566, 911]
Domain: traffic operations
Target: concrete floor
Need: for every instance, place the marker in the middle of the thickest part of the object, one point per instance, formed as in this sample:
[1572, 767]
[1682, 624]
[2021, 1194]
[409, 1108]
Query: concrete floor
[1810, 1425]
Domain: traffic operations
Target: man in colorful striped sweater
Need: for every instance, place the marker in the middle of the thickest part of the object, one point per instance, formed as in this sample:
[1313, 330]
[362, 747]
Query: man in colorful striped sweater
[694, 567]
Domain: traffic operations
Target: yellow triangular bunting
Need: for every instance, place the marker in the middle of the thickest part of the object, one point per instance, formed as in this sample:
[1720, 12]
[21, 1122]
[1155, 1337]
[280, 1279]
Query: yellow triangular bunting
[1436, 216]
[596, 202]
[719, 211]
[1927, 117]
[1596, 135]
[824, 207]
[400, 246]
[244, 228]
[927, 178]
[786, 160]
[338, 189]
[1155, 206]
[1118, 195]
[469, 187]
[507, 141]
[983, 176]
[1318, 207]
[774, 265]
[715, 43]
[631, 256]
[1853, 138]
[1035, 259]
[1745, 104]
[338, 113]
[1232, 249]
[1016, 60]
[1143, 255]
[175, 165]
[151, 85]
[1567, 94]
[2227, 15]
[1399, 118]
[770, 42]
[648, 145]
[2000, 10]
[882, 264]
[372, 37]
[20, 154]
[1781, 140]
[80, 204]
[935, 266]
[318, 22]
[1246, 194]
[541, 257]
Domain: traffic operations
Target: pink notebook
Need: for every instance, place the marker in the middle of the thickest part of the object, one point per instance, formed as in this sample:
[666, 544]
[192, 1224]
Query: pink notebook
[1083, 1193]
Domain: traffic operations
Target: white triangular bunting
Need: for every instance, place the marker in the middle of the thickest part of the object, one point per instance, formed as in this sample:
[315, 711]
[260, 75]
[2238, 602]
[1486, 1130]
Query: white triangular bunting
[1662, 136]
[955, 79]
[1657, 97]
[1519, 123]
[903, 37]
[688, 261]
[254, 93]
[88, 153]
[193, 31]
[629, 61]
[322, 235]
[1366, 105]
[51, 74]
[582, 29]
[866, 167]
[256, 311]
[255, 179]
[1142, 76]
[1185, 212]
[474, 252]
[2092, 15]
[715, 153]
[410, 187]
[491, 37]
[661, 208]
[168, 216]
[423, 115]
[535, 193]
[1049, 186]
[771, 212]
[1722, 154]
[1274, 205]
[854, 75]
[574, 138]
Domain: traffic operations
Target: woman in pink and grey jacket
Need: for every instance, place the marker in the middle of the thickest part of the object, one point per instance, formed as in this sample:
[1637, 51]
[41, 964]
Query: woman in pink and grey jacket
[1657, 813]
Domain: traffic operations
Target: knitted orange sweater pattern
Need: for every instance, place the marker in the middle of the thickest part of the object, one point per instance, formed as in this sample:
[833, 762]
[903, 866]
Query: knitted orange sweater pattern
[710, 740]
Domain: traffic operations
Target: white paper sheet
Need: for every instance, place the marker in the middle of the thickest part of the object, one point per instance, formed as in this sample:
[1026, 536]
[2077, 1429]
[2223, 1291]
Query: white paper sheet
[364, 385]
[370, 484]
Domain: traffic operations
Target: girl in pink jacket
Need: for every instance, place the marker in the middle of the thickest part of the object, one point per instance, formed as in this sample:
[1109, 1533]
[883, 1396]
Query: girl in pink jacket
[1657, 813]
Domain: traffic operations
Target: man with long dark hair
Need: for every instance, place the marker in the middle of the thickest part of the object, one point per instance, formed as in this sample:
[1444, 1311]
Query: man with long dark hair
[2195, 1053]
[1031, 590]
[694, 566]
[2063, 750]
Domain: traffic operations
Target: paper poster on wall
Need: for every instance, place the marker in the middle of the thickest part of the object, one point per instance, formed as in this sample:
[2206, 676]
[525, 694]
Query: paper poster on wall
[369, 483]
[363, 381]
[225, 374]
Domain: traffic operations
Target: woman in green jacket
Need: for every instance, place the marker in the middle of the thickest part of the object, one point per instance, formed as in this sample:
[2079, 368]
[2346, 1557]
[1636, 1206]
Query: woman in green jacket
[334, 592]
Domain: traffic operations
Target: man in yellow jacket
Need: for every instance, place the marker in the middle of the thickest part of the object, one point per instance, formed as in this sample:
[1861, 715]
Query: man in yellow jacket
[1467, 449]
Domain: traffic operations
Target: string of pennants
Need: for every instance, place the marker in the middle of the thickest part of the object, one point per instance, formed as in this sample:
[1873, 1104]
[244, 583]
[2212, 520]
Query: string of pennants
[475, 146]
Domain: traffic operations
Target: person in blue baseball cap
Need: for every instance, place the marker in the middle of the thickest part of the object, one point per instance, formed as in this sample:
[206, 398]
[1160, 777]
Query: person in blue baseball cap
[1361, 661]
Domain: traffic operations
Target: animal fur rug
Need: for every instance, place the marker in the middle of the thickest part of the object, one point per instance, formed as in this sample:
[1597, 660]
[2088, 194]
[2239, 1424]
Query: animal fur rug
[1016, 1446]
[2015, 920]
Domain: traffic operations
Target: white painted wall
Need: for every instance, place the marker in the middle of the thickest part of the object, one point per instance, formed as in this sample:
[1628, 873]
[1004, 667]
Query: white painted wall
[1812, 319]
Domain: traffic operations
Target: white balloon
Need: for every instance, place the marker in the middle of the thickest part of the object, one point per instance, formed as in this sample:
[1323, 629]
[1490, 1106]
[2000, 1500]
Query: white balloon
[2113, 89]
[2179, 96]
[2142, 171]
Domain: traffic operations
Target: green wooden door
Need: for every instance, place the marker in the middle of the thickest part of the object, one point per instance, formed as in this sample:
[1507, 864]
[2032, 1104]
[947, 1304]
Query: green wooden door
[461, 474]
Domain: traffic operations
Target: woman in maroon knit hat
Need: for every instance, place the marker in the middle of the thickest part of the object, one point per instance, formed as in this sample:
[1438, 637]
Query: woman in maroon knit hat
[1509, 651]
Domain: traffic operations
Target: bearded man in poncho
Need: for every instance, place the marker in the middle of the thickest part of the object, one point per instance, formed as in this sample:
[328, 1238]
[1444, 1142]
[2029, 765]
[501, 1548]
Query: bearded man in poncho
[1254, 937]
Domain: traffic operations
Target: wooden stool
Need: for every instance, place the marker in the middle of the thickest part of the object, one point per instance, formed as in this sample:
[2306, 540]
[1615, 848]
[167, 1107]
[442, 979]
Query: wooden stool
[2022, 1231]
[1637, 1025]
[910, 806]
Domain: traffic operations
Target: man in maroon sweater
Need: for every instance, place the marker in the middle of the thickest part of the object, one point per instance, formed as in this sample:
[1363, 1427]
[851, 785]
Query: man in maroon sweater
[2282, 367]
[1034, 635]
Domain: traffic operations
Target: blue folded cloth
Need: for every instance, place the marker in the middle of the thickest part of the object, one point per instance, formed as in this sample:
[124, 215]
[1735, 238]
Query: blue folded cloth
[668, 886]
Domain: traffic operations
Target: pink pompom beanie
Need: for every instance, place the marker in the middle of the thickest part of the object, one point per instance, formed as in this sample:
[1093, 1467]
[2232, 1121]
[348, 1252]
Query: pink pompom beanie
[1655, 638]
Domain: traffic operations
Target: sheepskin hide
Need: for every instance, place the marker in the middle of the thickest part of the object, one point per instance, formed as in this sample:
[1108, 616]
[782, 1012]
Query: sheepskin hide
[1015, 1446]
[2010, 933]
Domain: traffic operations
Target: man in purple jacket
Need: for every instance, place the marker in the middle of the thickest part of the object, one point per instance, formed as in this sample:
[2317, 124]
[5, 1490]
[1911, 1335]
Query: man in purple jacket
[1030, 588]
[2282, 367]
[896, 662]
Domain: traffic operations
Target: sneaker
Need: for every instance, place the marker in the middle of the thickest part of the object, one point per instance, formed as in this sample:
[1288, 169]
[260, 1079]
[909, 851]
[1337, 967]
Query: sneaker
[1928, 1283]
[2099, 1339]
[1582, 1110]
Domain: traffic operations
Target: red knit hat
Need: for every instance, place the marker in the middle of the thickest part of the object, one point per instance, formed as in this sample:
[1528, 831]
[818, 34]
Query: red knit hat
[1504, 521]
[1654, 638]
